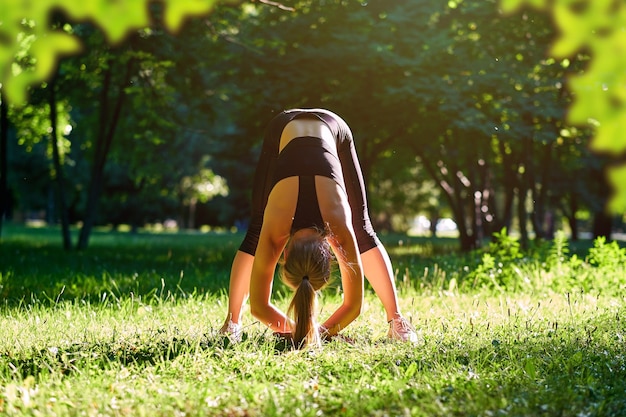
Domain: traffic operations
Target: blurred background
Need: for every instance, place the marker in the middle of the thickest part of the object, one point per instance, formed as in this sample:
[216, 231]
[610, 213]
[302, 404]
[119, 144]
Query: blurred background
[458, 111]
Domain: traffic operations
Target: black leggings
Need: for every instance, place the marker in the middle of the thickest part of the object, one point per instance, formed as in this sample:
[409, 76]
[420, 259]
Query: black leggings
[353, 177]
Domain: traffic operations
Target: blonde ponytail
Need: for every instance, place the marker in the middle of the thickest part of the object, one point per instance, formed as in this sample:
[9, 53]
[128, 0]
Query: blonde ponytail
[302, 309]
[306, 270]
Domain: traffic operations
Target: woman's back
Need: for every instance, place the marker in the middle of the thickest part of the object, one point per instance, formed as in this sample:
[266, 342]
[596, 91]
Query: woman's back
[310, 126]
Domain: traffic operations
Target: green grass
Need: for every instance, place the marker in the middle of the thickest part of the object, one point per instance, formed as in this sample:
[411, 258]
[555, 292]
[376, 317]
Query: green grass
[129, 328]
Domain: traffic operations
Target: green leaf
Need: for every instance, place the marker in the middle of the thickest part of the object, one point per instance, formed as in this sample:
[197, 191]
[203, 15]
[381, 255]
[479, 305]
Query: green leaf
[574, 31]
[46, 49]
[510, 6]
[617, 179]
[610, 134]
[117, 19]
[177, 10]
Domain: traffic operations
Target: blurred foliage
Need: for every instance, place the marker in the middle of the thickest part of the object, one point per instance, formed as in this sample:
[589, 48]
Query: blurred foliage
[463, 115]
[596, 28]
[31, 45]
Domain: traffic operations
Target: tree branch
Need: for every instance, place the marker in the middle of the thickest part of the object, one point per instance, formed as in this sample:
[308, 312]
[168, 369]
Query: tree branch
[278, 5]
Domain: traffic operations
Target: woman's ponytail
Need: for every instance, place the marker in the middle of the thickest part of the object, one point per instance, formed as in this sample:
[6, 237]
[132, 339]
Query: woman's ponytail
[302, 309]
[306, 270]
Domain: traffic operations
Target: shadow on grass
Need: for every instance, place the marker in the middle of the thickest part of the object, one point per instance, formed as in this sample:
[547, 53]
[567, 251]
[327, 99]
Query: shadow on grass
[36, 268]
[136, 353]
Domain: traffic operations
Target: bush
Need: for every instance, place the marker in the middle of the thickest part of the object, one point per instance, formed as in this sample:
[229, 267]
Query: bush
[499, 264]
[504, 267]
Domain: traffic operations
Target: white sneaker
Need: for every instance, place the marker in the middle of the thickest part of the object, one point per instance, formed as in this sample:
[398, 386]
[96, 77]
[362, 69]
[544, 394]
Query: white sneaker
[232, 330]
[400, 329]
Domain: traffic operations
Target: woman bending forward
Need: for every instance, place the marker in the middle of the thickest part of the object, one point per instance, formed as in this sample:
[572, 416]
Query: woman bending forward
[308, 199]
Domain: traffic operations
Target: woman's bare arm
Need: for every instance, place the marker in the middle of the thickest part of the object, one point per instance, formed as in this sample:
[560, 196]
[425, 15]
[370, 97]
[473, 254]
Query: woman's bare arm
[337, 214]
[351, 282]
[272, 241]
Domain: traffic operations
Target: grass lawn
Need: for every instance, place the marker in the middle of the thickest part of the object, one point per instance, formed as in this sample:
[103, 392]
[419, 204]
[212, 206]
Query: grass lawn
[129, 328]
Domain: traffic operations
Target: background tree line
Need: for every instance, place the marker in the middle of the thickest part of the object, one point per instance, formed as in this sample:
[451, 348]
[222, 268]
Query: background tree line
[457, 110]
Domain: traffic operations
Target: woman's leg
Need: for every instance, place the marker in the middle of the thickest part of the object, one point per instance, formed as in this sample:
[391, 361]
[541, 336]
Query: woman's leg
[379, 273]
[376, 263]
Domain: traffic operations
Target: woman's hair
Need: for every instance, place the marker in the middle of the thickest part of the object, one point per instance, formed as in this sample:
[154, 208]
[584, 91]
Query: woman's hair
[306, 269]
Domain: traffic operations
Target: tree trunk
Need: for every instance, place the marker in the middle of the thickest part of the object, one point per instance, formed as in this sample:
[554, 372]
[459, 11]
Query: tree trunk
[454, 197]
[191, 224]
[510, 183]
[434, 219]
[463, 203]
[602, 220]
[488, 205]
[526, 184]
[602, 225]
[103, 145]
[4, 138]
[477, 217]
[457, 203]
[50, 211]
[481, 199]
[466, 239]
[542, 216]
[571, 218]
[522, 216]
[59, 178]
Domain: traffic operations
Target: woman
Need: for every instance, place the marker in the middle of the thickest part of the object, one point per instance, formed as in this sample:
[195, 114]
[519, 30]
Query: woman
[308, 199]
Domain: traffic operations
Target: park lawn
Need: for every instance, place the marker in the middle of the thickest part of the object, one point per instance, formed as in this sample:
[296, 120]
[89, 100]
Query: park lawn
[129, 327]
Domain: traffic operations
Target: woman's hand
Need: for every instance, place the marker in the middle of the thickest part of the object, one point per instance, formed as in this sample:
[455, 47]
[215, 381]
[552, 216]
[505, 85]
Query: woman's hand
[326, 337]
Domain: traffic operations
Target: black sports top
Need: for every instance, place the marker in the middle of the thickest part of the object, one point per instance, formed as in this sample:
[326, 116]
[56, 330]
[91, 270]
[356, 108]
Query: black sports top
[306, 157]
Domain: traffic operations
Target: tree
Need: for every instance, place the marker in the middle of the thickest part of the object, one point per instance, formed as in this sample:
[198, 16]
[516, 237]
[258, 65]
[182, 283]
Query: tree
[111, 100]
